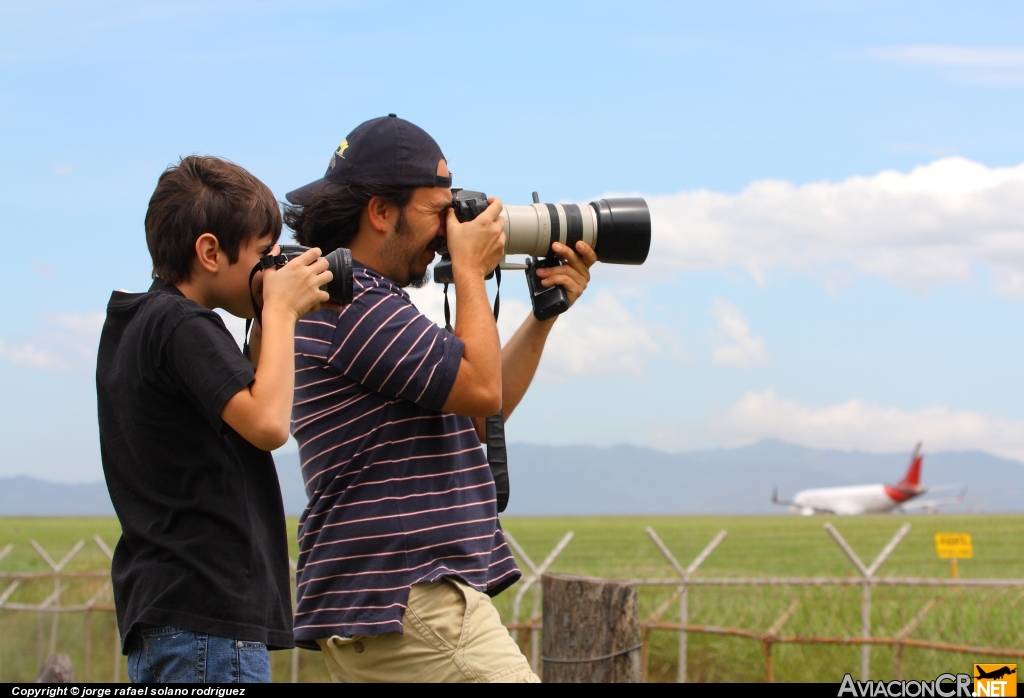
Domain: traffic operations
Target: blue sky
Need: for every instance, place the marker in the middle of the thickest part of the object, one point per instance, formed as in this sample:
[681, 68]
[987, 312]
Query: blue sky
[837, 191]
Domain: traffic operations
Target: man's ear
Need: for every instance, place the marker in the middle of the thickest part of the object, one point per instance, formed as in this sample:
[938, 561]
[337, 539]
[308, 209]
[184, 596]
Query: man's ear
[380, 214]
[209, 253]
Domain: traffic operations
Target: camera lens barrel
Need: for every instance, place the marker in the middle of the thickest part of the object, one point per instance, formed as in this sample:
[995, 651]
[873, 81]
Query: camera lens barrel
[619, 230]
[339, 261]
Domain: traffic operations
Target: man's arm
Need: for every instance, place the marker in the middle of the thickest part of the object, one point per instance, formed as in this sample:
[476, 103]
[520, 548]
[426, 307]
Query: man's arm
[476, 248]
[522, 353]
[261, 412]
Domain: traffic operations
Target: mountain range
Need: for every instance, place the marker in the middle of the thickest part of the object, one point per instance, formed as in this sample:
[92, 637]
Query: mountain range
[547, 480]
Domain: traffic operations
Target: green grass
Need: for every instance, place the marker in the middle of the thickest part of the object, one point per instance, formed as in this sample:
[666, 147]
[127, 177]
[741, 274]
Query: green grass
[617, 547]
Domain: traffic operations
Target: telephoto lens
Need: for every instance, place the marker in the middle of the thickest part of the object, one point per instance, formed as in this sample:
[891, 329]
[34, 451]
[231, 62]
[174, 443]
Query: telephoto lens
[339, 261]
[619, 231]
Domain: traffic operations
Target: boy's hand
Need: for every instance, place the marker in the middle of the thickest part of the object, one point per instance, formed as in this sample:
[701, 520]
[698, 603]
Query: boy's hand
[295, 287]
[477, 247]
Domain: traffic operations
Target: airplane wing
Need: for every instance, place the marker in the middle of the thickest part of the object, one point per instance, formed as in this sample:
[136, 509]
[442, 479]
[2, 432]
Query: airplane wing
[930, 503]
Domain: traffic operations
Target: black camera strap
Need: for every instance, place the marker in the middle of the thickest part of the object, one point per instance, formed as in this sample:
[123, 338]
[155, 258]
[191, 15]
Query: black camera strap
[497, 453]
[265, 261]
[447, 308]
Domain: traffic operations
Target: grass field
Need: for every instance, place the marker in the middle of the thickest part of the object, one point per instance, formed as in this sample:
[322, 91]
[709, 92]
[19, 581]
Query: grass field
[617, 547]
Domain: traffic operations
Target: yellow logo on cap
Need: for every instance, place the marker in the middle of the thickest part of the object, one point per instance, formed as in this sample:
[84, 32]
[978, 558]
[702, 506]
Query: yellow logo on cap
[338, 153]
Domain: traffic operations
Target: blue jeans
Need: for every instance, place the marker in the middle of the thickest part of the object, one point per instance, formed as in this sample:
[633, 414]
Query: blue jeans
[172, 655]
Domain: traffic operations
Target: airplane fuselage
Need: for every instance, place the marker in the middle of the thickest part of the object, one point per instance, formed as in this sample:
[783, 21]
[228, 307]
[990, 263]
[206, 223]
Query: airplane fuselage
[853, 500]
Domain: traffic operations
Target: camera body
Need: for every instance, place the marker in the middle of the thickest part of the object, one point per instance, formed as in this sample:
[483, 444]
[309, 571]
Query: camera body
[339, 261]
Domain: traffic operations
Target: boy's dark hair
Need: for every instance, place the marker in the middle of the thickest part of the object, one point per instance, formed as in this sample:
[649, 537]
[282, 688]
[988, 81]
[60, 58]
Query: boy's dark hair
[331, 219]
[203, 194]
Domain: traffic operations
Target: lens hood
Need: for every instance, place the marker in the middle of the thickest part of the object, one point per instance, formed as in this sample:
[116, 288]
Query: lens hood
[624, 230]
[339, 261]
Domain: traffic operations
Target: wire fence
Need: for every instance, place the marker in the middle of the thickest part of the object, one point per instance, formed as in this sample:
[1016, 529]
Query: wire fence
[696, 627]
[72, 611]
[818, 620]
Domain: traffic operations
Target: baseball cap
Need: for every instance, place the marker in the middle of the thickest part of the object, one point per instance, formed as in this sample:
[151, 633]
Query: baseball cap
[385, 150]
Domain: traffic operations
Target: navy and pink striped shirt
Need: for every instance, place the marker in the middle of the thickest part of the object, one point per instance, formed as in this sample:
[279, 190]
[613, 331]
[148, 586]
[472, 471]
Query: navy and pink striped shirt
[400, 492]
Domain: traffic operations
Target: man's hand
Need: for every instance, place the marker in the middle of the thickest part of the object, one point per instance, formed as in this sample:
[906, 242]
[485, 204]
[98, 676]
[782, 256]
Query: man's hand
[574, 274]
[295, 287]
[477, 247]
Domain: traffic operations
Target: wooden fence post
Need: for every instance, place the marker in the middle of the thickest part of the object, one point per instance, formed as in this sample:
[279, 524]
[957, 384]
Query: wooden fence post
[591, 630]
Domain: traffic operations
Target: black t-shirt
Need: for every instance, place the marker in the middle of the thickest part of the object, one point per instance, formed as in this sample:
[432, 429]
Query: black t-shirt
[203, 544]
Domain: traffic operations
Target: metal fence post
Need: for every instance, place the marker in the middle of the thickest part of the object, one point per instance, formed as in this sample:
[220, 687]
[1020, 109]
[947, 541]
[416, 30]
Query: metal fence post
[902, 635]
[684, 590]
[3, 597]
[293, 676]
[56, 567]
[868, 574]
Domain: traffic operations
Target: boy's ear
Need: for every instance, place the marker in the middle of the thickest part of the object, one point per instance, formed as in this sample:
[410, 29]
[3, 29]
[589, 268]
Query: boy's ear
[209, 253]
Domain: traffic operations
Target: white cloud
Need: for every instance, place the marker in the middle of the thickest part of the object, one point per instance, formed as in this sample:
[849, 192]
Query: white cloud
[960, 56]
[857, 425]
[66, 342]
[737, 346]
[598, 336]
[921, 228]
[985, 65]
[235, 325]
[429, 300]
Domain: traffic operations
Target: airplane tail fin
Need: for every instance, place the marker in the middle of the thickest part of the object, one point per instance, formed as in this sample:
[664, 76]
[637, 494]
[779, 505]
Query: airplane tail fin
[913, 477]
[776, 500]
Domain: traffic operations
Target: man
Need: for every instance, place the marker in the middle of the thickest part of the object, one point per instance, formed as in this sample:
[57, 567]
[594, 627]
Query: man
[400, 546]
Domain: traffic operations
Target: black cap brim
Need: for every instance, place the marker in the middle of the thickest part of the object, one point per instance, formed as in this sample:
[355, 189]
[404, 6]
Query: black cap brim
[303, 196]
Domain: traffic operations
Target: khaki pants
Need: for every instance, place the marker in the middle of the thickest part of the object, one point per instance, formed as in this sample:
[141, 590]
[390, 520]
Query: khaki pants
[452, 633]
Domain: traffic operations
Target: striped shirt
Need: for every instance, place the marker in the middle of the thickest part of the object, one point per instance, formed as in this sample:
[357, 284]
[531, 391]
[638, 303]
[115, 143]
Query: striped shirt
[400, 492]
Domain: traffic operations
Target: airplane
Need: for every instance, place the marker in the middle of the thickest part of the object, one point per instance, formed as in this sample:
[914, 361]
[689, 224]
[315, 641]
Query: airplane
[870, 499]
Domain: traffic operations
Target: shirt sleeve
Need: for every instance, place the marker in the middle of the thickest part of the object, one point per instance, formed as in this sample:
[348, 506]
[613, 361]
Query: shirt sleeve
[207, 365]
[385, 344]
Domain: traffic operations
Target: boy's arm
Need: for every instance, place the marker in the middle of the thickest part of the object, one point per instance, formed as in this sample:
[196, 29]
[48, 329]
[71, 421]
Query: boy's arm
[261, 412]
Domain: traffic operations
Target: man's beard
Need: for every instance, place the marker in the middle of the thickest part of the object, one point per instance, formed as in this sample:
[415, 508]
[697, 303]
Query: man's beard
[401, 257]
[422, 281]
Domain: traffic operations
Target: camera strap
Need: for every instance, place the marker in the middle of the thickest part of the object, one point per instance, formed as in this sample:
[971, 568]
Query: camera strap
[447, 308]
[265, 261]
[497, 453]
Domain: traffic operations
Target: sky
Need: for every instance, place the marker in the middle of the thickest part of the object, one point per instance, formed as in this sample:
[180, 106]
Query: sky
[836, 188]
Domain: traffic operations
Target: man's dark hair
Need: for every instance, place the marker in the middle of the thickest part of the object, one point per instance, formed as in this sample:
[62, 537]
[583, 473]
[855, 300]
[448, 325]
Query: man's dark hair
[204, 194]
[331, 219]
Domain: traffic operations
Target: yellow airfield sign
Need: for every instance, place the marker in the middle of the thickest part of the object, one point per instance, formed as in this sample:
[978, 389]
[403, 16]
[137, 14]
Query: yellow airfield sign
[954, 545]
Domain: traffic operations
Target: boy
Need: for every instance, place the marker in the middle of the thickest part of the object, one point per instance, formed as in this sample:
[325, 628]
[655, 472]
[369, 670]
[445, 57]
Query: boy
[200, 573]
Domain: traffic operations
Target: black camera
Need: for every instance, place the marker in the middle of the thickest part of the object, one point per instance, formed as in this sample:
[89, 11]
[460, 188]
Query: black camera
[339, 261]
[619, 230]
